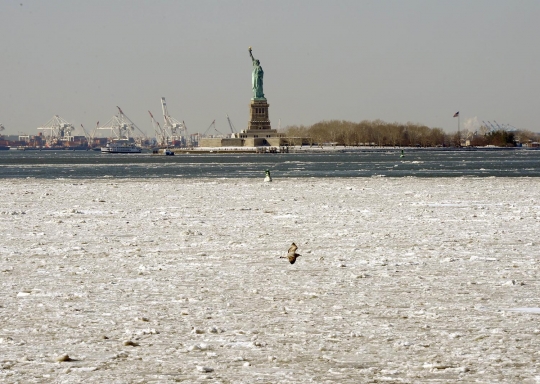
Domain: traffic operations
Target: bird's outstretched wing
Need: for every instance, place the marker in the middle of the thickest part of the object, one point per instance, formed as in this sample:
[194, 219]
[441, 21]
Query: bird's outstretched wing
[292, 248]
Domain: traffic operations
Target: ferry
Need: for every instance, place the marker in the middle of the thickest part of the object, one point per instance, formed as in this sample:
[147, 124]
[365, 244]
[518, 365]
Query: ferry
[120, 147]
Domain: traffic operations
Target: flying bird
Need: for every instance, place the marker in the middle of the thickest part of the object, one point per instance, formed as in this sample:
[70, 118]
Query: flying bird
[291, 254]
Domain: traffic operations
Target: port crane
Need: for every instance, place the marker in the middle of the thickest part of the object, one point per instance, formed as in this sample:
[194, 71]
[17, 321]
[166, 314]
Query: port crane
[233, 131]
[212, 124]
[218, 131]
[495, 127]
[506, 127]
[172, 127]
[161, 134]
[58, 130]
[489, 125]
[89, 136]
[121, 126]
[510, 128]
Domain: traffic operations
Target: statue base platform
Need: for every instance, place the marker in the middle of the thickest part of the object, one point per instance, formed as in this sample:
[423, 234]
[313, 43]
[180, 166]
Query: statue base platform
[259, 117]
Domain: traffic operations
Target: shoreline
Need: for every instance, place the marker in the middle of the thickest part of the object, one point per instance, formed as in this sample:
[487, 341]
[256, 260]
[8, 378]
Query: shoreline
[290, 149]
[333, 149]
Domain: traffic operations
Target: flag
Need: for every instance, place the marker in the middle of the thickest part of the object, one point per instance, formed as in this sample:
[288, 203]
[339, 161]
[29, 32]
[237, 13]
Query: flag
[456, 114]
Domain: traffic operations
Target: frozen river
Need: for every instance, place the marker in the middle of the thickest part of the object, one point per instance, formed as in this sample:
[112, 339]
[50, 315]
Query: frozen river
[306, 162]
[401, 280]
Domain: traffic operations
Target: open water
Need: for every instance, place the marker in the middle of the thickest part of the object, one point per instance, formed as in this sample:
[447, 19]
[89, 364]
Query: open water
[338, 163]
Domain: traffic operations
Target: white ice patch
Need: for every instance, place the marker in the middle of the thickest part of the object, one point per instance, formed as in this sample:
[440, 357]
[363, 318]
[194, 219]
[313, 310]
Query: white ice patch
[525, 310]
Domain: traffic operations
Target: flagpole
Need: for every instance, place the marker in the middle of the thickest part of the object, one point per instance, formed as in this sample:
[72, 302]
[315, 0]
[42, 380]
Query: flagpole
[458, 133]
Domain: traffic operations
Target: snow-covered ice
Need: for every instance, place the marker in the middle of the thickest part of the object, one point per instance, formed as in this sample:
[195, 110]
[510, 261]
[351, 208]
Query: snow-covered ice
[144, 281]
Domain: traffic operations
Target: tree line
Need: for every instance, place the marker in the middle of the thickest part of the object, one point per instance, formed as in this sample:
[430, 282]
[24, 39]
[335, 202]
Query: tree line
[380, 133]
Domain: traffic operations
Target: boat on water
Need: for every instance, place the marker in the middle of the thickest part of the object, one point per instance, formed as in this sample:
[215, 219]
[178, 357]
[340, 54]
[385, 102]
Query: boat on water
[120, 147]
[163, 152]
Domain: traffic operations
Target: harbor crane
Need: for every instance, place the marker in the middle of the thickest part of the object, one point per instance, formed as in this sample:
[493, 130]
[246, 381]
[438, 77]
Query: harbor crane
[212, 124]
[89, 136]
[161, 134]
[1, 129]
[496, 127]
[189, 138]
[86, 134]
[506, 127]
[233, 131]
[218, 131]
[174, 128]
[131, 122]
[121, 126]
[58, 129]
[489, 125]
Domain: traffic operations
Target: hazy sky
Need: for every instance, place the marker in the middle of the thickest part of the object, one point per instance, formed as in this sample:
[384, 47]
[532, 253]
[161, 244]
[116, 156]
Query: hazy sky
[403, 60]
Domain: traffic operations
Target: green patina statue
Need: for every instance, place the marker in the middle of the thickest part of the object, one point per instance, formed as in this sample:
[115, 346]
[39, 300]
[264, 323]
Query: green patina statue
[257, 78]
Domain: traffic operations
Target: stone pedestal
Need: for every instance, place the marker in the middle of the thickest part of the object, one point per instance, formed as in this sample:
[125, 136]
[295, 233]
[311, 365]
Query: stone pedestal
[259, 118]
[258, 134]
[259, 131]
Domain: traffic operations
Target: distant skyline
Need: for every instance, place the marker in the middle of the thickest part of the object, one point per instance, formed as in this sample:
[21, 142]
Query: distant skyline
[415, 60]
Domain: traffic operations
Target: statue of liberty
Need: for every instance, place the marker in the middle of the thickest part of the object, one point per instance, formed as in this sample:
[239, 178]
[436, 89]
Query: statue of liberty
[257, 78]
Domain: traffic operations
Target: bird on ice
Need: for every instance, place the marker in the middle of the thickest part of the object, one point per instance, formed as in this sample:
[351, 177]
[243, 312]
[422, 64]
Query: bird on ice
[291, 254]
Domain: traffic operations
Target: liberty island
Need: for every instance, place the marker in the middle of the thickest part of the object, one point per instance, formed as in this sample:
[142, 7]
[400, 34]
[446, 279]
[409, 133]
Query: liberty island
[259, 132]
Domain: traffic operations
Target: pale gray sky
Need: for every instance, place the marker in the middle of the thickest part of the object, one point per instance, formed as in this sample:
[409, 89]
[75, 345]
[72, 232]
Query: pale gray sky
[406, 60]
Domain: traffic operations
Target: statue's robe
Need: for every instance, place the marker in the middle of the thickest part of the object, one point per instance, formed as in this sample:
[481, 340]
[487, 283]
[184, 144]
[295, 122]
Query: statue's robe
[257, 81]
